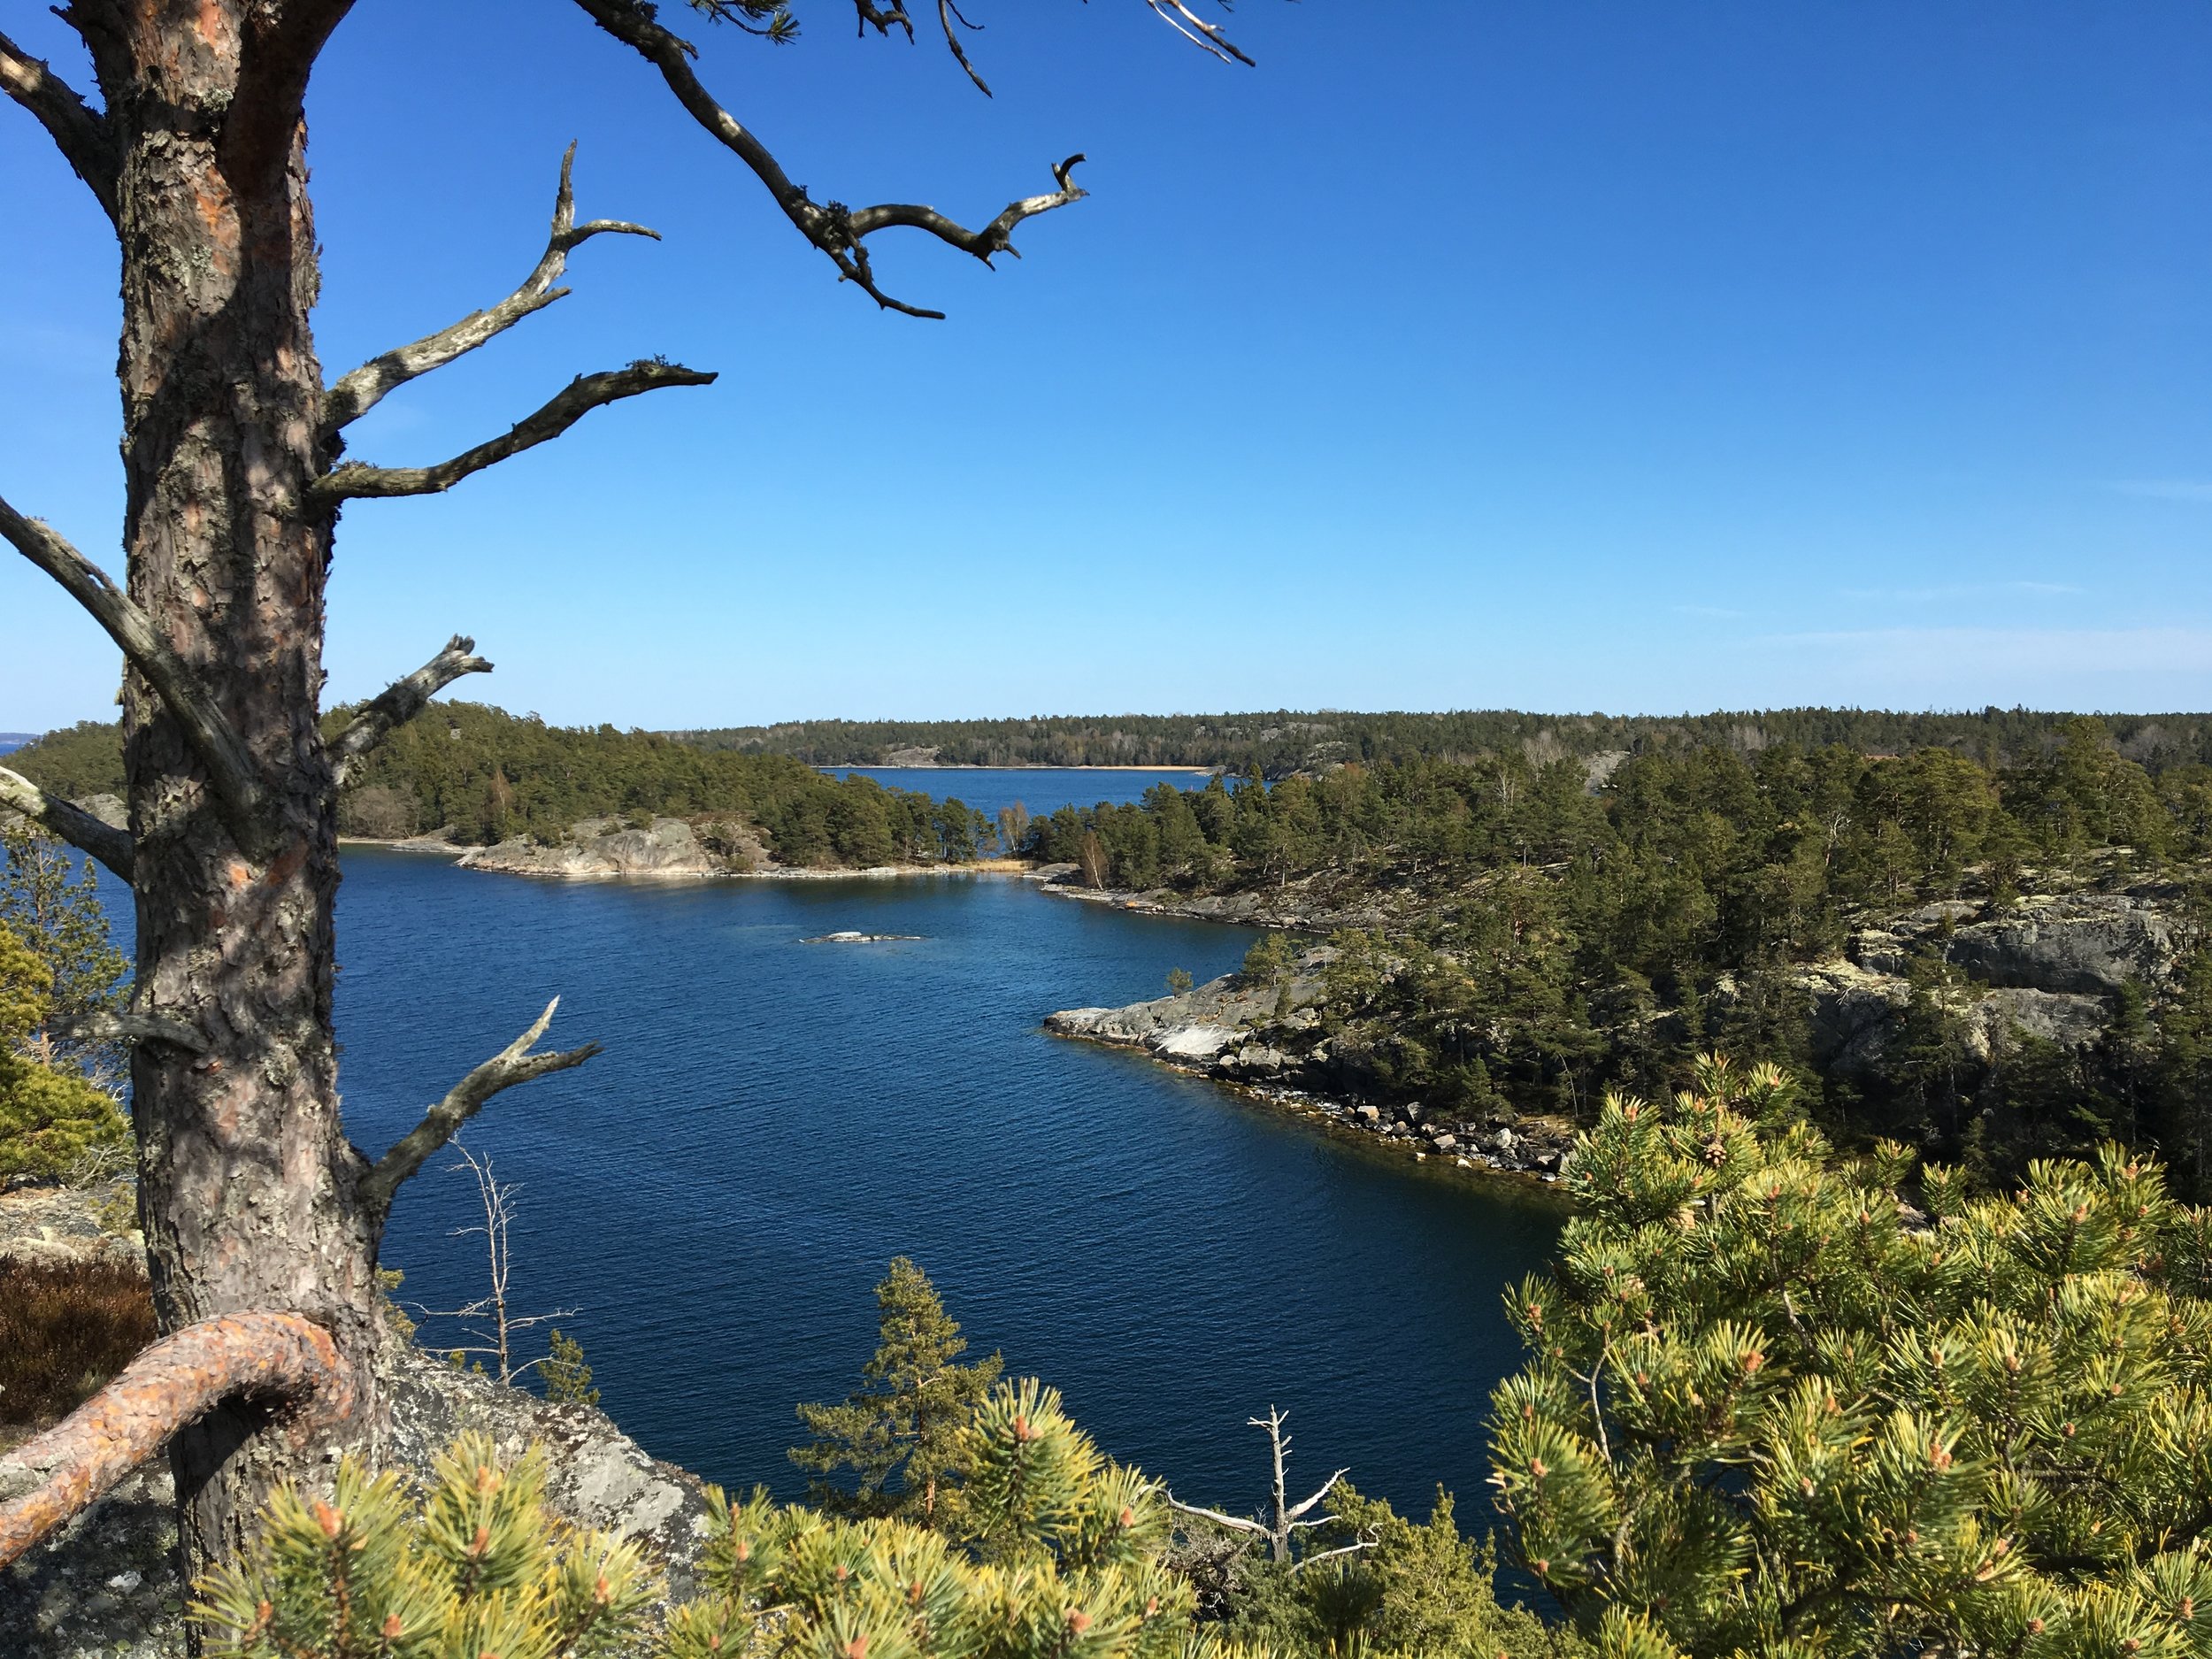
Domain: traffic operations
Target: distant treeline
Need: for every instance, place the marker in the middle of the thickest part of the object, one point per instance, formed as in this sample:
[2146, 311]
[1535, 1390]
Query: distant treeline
[484, 776]
[1286, 741]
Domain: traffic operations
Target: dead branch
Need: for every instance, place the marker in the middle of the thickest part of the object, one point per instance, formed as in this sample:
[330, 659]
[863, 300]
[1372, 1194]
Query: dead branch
[1286, 1521]
[1242, 1523]
[582, 395]
[1352, 1548]
[498, 1199]
[882, 21]
[1204, 35]
[401, 701]
[946, 13]
[127, 1027]
[357, 392]
[83, 135]
[838, 231]
[112, 847]
[53, 1475]
[513, 1064]
[231, 772]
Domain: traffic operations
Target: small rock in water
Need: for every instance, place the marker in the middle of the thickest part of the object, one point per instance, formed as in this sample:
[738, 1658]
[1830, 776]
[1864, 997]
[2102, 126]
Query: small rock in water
[850, 938]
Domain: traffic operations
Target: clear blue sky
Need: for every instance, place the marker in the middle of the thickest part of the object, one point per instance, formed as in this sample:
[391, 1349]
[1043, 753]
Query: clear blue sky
[1619, 356]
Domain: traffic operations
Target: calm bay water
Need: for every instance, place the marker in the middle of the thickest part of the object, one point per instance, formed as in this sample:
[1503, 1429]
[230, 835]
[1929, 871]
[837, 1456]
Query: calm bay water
[772, 1121]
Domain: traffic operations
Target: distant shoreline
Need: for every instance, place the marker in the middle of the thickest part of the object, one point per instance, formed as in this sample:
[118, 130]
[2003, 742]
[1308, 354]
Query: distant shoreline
[1032, 765]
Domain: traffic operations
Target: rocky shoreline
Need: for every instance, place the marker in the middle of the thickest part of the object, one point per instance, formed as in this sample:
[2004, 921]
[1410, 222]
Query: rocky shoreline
[664, 849]
[1214, 1030]
[2047, 968]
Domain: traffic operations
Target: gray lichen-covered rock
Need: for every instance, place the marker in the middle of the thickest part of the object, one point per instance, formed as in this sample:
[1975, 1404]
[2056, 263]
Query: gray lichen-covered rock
[601, 1477]
[2088, 944]
[2069, 1019]
[109, 1586]
[1853, 1013]
[69, 1224]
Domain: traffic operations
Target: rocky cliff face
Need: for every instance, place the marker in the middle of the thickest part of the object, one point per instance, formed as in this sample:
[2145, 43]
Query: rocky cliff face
[2046, 967]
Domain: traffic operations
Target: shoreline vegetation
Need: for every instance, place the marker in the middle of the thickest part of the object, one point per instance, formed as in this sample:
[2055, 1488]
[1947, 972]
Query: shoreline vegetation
[2000, 956]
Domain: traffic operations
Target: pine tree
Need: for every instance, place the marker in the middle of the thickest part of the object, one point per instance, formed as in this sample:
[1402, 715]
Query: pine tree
[477, 1569]
[51, 1119]
[567, 1379]
[902, 1432]
[1062, 1555]
[1772, 1408]
[52, 900]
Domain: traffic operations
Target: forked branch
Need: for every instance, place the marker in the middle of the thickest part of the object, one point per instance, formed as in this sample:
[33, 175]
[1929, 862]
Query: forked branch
[578, 398]
[513, 1064]
[401, 702]
[84, 136]
[357, 392]
[1286, 1520]
[50, 1477]
[110, 846]
[214, 739]
[838, 231]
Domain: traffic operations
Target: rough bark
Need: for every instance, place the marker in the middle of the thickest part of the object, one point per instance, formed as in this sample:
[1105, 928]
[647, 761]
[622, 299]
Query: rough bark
[247, 1182]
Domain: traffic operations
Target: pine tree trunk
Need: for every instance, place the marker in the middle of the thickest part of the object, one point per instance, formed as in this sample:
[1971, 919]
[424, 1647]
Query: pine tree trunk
[247, 1183]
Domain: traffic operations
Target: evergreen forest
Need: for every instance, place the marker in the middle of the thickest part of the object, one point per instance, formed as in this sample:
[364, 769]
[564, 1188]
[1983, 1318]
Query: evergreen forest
[484, 776]
[1284, 741]
[1506, 934]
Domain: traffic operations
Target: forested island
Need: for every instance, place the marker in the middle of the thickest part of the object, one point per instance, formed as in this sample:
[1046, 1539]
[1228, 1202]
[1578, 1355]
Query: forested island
[1282, 741]
[478, 777]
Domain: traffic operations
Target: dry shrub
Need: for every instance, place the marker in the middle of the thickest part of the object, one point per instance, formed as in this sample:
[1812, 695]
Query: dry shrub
[64, 1329]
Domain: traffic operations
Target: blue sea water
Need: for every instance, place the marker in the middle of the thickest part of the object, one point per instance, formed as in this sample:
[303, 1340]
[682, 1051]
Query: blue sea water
[717, 1193]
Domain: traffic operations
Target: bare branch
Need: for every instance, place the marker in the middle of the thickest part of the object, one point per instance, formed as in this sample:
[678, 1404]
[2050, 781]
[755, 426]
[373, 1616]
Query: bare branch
[112, 847]
[283, 44]
[48, 1479]
[1240, 1524]
[513, 1064]
[831, 227]
[110, 1027]
[1195, 29]
[1326, 1485]
[578, 398]
[84, 136]
[946, 12]
[230, 768]
[874, 16]
[1331, 1555]
[357, 392]
[401, 701]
